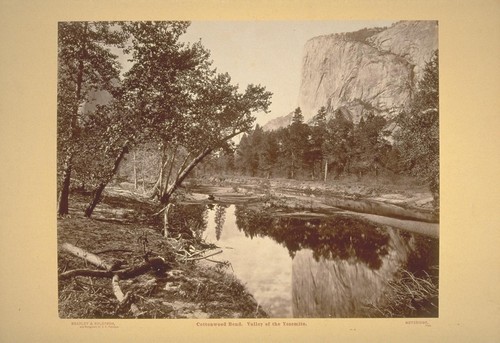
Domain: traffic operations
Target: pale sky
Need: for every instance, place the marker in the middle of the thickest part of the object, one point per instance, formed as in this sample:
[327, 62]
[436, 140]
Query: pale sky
[267, 53]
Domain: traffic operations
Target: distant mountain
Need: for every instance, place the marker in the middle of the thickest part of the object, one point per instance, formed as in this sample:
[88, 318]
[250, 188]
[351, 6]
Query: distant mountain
[279, 122]
[371, 70]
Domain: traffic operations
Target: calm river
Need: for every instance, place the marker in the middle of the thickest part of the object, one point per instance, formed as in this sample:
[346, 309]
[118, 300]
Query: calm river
[335, 266]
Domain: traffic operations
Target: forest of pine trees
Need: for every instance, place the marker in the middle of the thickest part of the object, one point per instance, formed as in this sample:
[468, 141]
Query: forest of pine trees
[319, 150]
[330, 145]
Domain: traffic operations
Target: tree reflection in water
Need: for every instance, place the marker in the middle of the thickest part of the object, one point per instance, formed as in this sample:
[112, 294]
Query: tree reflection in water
[338, 237]
[220, 217]
[339, 264]
[190, 221]
[342, 266]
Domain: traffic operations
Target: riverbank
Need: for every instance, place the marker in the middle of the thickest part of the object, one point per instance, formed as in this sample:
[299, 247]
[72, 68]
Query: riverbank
[405, 204]
[402, 191]
[122, 229]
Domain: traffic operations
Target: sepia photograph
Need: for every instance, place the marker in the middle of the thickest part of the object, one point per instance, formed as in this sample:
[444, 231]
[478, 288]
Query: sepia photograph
[248, 169]
[245, 171]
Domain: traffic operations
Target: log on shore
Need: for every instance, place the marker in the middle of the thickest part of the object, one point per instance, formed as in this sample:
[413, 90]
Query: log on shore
[383, 209]
[156, 264]
[89, 257]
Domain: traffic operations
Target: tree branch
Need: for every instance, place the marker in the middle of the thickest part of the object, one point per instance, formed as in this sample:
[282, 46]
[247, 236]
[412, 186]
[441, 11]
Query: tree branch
[125, 300]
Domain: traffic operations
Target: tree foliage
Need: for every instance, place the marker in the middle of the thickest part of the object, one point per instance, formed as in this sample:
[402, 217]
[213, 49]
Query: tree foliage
[85, 64]
[418, 138]
[171, 96]
[309, 151]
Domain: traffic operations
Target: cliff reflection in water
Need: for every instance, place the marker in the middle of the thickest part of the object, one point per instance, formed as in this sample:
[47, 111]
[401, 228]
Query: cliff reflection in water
[336, 266]
[340, 287]
[340, 265]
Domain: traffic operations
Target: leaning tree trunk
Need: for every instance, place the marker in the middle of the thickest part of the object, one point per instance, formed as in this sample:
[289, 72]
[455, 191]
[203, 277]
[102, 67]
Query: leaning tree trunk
[98, 192]
[169, 190]
[95, 200]
[182, 175]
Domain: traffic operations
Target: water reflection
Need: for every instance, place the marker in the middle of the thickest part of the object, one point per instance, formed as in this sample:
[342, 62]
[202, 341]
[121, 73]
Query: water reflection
[310, 267]
[330, 238]
[262, 265]
[220, 217]
[342, 287]
[188, 220]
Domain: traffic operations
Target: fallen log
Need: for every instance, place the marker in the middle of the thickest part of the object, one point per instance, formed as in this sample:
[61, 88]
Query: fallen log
[423, 228]
[203, 257]
[89, 257]
[383, 209]
[156, 264]
[112, 250]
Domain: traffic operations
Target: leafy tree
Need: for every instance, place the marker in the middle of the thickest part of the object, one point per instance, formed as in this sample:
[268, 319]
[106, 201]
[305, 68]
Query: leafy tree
[284, 162]
[152, 96]
[319, 119]
[245, 155]
[256, 149]
[85, 64]
[219, 113]
[171, 96]
[297, 118]
[418, 138]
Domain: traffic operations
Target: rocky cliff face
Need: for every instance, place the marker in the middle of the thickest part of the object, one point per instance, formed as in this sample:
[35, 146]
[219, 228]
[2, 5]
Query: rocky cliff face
[279, 122]
[367, 71]
[415, 41]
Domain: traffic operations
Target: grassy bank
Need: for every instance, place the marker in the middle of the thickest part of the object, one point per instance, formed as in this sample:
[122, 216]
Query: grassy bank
[408, 296]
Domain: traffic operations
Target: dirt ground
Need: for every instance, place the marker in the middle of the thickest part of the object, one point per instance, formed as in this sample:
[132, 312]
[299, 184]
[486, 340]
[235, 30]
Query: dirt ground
[122, 229]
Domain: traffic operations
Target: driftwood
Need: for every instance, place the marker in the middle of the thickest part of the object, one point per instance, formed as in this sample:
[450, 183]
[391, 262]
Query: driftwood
[156, 264]
[383, 209]
[89, 257]
[112, 250]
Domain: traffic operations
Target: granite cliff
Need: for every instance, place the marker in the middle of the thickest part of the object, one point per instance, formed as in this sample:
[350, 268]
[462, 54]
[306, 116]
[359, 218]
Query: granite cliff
[279, 122]
[371, 70]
